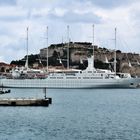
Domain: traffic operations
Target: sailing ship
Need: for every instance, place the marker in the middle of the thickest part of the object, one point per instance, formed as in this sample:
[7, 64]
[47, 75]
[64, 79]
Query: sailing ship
[74, 78]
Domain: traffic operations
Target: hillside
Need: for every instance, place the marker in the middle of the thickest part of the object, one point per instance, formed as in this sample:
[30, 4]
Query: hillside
[78, 52]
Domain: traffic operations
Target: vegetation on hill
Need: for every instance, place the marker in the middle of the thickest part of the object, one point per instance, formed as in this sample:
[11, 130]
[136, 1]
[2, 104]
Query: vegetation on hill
[78, 51]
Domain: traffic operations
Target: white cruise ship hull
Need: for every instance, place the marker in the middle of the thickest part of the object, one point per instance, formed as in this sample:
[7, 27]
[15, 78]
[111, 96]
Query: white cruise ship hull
[70, 83]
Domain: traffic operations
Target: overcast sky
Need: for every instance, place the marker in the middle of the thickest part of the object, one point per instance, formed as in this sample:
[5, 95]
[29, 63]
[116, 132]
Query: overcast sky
[80, 15]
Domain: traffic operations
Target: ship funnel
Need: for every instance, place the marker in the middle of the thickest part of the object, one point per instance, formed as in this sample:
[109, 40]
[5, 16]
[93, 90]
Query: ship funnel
[90, 63]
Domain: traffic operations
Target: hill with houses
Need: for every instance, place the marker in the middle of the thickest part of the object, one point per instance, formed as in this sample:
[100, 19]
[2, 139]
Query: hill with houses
[78, 53]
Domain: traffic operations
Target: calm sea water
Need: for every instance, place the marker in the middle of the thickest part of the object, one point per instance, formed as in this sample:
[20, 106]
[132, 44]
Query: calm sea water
[94, 114]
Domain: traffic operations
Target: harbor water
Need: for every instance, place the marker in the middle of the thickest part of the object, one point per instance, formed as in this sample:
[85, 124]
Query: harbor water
[75, 114]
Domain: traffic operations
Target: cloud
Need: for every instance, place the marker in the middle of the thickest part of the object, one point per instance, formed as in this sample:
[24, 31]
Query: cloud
[134, 16]
[11, 48]
[7, 2]
[37, 4]
[110, 3]
[15, 16]
[9, 14]
[73, 17]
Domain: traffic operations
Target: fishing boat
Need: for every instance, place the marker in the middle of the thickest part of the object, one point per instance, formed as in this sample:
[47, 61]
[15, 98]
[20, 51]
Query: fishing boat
[73, 78]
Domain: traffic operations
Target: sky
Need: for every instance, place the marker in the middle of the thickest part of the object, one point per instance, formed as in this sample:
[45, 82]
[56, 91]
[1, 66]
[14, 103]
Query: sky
[80, 15]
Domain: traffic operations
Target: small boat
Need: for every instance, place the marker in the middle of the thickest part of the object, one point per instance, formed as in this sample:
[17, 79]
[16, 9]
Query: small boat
[5, 91]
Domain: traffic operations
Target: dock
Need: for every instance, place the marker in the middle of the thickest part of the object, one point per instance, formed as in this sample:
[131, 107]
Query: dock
[25, 102]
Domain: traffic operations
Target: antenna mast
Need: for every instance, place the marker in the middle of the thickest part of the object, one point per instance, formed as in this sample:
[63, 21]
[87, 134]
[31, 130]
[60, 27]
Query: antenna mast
[68, 47]
[115, 51]
[93, 45]
[26, 64]
[47, 50]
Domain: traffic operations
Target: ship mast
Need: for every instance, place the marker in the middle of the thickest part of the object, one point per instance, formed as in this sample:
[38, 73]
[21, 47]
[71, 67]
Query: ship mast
[68, 47]
[93, 45]
[26, 64]
[115, 51]
[47, 50]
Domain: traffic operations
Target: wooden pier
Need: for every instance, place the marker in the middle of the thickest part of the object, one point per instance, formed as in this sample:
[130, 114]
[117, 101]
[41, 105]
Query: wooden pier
[25, 102]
